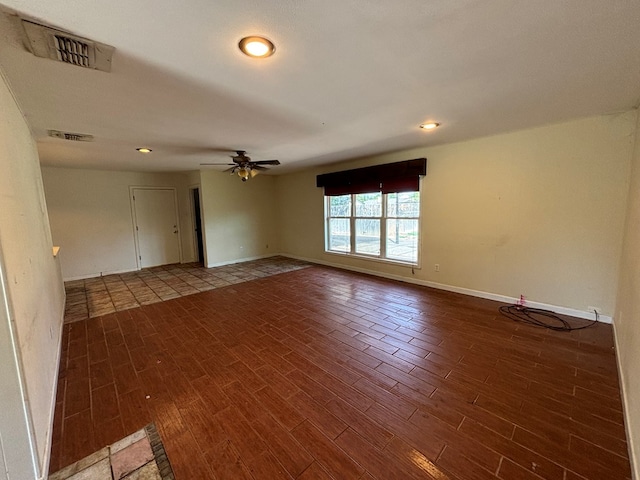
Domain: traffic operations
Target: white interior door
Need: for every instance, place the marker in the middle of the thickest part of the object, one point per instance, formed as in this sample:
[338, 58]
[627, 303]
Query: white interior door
[157, 230]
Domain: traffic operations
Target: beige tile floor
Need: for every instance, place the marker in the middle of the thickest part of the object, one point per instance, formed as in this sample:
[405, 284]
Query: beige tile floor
[139, 456]
[93, 297]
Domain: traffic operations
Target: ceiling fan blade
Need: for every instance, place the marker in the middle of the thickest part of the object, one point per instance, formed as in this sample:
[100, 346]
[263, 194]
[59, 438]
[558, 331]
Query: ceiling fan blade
[267, 162]
[230, 169]
[258, 167]
[219, 164]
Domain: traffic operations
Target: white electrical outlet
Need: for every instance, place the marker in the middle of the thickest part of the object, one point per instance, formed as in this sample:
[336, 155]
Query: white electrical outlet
[595, 309]
[436, 267]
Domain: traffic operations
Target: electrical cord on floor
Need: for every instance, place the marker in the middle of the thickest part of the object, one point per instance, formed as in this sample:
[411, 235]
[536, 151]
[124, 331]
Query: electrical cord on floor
[542, 318]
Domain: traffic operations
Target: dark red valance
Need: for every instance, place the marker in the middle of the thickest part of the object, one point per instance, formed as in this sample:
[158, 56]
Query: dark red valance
[397, 185]
[336, 190]
[387, 178]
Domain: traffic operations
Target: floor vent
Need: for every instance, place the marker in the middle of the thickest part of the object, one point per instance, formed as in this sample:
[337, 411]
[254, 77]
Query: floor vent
[74, 137]
[47, 42]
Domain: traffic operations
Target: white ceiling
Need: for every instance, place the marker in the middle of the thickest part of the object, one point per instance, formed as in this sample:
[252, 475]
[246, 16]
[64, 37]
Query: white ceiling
[348, 79]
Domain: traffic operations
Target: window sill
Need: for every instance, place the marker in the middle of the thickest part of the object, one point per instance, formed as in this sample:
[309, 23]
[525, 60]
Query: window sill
[386, 261]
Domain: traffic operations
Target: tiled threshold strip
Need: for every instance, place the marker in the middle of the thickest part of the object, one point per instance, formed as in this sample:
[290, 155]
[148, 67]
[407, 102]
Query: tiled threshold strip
[140, 456]
[94, 297]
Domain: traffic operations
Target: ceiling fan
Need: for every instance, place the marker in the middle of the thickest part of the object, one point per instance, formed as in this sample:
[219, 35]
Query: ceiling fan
[244, 167]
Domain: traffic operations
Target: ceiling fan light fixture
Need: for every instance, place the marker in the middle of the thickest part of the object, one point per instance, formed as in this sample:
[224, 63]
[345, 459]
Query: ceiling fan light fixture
[257, 47]
[244, 173]
[429, 125]
[244, 167]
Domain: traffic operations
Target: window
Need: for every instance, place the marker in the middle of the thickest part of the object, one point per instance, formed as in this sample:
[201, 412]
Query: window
[378, 225]
[339, 226]
[403, 229]
[374, 212]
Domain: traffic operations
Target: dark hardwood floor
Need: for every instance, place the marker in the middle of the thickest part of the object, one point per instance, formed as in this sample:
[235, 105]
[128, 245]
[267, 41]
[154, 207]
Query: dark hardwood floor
[321, 373]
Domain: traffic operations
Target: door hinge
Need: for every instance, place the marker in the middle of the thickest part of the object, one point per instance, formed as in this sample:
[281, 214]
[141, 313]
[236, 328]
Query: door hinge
[140, 257]
[136, 228]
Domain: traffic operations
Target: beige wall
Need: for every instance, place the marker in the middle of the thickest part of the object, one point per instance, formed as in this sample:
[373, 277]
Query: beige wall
[193, 178]
[31, 302]
[627, 317]
[538, 212]
[90, 214]
[240, 220]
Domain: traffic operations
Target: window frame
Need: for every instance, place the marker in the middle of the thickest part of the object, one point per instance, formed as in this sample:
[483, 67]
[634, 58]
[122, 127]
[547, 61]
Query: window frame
[383, 219]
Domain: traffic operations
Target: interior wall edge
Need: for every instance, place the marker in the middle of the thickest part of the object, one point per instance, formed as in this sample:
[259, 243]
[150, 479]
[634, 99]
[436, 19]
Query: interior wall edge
[455, 289]
[19, 454]
[626, 326]
[49, 441]
[34, 296]
[635, 466]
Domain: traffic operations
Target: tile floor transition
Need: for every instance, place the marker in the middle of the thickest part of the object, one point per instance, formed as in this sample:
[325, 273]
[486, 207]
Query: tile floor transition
[139, 456]
[93, 297]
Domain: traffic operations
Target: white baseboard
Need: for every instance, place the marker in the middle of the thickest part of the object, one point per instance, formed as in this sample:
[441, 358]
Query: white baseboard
[99, 274]
[129, 270]
[465, 291]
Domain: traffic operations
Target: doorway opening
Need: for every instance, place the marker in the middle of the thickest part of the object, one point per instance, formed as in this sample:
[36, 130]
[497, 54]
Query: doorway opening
[197, 225]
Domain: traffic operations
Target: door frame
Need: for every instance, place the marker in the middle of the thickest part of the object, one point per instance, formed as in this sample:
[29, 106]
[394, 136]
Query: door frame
[192, 209]
[134, 220]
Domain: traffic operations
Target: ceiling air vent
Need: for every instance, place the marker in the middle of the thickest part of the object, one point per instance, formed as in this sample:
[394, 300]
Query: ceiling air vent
[72, 51]
[75, 137]
[48, 42]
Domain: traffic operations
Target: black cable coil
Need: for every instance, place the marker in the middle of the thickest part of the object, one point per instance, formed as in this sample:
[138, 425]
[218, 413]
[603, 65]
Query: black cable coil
[542, 318]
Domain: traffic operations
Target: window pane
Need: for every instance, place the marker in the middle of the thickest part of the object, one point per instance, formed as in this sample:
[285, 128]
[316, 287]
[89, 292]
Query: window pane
[339, 235]
[404, 204]
[368, 236]
[402, 240]
[369, 204]
[340, 206]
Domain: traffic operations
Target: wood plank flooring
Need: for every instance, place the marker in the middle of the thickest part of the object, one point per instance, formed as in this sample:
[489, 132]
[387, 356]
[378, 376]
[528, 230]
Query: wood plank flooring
[321, 373]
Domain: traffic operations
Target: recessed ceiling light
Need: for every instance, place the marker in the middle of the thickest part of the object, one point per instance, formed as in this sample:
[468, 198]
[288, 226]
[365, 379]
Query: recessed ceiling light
[257, 47]
[429, 126]
[144, 150]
